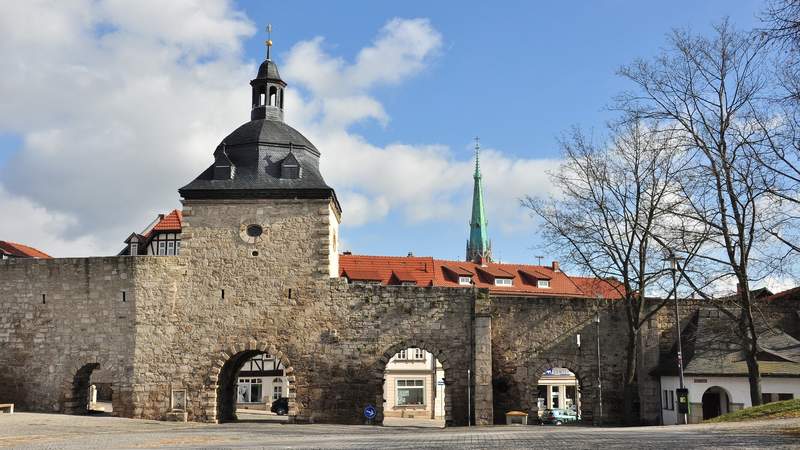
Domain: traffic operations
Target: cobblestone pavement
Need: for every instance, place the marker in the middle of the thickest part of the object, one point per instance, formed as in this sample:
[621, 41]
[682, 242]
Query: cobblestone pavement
[46, 431]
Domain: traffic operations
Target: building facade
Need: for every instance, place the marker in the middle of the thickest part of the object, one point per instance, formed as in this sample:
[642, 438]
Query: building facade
[414, 385]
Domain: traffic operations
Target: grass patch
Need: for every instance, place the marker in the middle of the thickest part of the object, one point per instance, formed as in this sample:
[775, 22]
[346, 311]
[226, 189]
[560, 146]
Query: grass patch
[776, 410]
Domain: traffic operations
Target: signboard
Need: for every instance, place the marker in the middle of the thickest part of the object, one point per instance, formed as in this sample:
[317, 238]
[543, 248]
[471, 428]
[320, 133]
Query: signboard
[370, 412]
[683, 401]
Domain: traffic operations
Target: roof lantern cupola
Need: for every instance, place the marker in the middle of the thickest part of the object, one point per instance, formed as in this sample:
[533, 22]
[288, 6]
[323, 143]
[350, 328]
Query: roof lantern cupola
[268, 88]
[479, 247]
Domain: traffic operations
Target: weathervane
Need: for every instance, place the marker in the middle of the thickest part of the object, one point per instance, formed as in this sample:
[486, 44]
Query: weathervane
[269, 39]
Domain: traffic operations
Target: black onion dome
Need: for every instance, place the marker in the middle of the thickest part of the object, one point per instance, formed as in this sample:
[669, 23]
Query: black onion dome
[268, 70]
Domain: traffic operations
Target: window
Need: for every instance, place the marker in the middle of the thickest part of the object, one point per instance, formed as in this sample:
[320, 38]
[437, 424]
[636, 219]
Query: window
[162, 248]
[402, 354]
[419, 353]
[171, 247]
[543, 283]
[408, 283]
[277, 392]
[503, 282]
[410, 392]
[177, 247]
[249, 390]
[465, 280]
[669, 399]
[782, 397]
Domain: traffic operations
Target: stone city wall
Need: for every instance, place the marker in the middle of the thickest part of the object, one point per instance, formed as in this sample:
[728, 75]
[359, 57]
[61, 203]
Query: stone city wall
[57, 316]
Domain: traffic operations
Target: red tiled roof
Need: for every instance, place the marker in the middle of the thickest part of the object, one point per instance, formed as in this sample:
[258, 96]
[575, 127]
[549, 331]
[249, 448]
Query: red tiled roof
[171, 222]
[793, 294]
[21, 251]
[387, 268]
[427, 271]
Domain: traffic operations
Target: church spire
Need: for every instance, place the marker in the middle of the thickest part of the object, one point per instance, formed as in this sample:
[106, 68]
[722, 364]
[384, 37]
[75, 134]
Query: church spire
[479, 248]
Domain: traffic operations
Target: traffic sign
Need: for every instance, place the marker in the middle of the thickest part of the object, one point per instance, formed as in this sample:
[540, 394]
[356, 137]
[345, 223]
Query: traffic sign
[370, 412]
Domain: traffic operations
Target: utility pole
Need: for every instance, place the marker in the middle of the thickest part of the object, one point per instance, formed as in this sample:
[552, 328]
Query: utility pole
[674, 266]
[599, 379]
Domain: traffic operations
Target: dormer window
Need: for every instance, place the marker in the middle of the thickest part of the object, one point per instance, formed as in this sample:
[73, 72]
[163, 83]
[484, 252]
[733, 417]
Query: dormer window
[503, 282]
[545, 284]
[464, 281]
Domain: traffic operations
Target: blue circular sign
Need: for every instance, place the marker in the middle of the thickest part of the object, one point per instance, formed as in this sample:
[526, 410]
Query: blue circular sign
[370, 412]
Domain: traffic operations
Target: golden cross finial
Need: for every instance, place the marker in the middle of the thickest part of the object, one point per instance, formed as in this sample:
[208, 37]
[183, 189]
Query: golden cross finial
[269, 38]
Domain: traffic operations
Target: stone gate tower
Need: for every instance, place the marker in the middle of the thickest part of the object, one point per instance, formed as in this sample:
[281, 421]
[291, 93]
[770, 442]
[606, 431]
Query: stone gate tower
[264, 196]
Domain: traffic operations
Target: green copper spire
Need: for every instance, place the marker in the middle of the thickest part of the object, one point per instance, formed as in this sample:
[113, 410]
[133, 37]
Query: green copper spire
[479, 248]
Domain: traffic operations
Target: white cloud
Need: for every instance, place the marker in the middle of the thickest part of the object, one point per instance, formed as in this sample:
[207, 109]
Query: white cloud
[118, 108]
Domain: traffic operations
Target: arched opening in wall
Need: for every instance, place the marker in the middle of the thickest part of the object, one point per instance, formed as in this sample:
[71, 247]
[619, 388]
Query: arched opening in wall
[716, 402]
[254, 386]
[414, 390]
[558, 398]
[91, 391]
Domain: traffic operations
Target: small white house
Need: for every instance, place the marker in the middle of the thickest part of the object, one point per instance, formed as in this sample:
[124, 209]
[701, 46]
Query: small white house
[715, 372]
[414, 386]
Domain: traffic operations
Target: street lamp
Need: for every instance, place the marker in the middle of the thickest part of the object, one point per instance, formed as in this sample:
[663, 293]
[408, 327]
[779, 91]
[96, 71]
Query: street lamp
[599, 381]
[673, 259]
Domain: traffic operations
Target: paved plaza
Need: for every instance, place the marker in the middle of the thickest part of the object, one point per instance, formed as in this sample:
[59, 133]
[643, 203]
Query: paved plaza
[52, 431]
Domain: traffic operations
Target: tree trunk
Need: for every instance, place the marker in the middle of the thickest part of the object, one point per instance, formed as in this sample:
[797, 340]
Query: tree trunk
[630, 391]
[750, 349]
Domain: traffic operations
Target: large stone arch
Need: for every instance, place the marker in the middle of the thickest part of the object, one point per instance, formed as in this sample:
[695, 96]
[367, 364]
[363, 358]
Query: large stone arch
[237, 354]
[437, 353]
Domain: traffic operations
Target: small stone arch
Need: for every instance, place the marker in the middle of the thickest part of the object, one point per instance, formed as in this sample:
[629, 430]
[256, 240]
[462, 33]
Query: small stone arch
[215, 407]
[537, 368]
[437, 353]
[76, 381]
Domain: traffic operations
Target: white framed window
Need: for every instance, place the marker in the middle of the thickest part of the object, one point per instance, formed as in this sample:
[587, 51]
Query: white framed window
[277, 392]
[503, 282]
[466, 281]
[170, 247]
[177, 247]
[419, 353]
[249, 390]
[402, 354]
[543, 283]
[410, 392]
[162, 248]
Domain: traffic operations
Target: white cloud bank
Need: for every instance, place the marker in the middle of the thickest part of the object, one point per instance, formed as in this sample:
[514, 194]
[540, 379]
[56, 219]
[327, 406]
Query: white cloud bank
[119, 106]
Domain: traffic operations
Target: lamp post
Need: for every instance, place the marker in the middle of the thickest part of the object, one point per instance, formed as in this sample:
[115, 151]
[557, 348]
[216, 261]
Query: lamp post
[674, 266]
[599, 379]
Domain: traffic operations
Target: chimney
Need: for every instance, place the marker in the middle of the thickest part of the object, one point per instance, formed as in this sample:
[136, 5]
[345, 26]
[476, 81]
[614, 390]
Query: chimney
[556, 267]
[410, 254]
[347, 252]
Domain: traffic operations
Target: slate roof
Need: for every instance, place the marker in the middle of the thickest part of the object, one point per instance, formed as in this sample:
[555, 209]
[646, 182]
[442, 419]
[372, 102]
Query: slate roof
[16, 250]
[269, 70]
[427, 271]
[711, 348]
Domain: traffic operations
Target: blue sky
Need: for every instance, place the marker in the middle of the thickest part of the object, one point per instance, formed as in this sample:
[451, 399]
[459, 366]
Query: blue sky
[515, 73]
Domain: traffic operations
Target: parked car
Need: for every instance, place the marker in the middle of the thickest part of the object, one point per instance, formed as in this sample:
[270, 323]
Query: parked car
[558, 416]
[280, 406]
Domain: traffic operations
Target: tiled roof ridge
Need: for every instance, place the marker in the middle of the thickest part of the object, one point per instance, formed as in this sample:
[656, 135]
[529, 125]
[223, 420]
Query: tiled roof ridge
[26, 249]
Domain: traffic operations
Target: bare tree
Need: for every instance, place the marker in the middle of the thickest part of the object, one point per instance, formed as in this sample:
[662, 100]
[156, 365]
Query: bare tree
[611, 199]
[710, 91]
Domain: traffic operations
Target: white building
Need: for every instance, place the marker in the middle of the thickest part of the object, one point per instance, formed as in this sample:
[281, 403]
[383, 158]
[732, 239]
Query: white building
[715, 372]
[414, 385]
[558, 389]
[261, 381]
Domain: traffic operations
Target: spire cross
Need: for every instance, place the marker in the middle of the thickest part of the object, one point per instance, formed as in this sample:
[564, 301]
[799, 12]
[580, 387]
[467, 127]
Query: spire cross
[268, 42]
